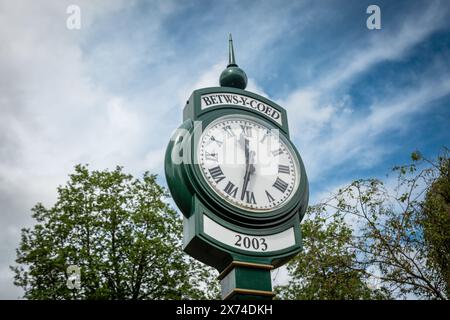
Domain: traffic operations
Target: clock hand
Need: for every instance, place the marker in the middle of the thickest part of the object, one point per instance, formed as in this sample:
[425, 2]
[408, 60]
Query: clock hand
[247, 166]
[252, 161]
[249, 170]
[244, 143]
[246, 151]
[246, 179]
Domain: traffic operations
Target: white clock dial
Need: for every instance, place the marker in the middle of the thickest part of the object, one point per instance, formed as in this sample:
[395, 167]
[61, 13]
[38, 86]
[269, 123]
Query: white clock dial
[248, 164]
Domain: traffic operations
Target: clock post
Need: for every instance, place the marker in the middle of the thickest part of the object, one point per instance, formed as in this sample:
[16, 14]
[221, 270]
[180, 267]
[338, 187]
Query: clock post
[240, 183]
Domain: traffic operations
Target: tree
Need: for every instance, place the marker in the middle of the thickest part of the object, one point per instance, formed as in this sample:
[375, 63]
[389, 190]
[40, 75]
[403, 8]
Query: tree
[119, 232]
[393, 240]
[325, 269]
[436, 222]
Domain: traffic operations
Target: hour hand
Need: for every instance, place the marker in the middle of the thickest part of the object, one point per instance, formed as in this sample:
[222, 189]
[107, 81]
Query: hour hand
[245, 145]
[251, 162]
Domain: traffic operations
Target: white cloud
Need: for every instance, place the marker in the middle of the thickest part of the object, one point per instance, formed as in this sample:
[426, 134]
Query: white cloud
[65, 99]
[154, 160]
[307, 116]
[280, 276]
[53, 116]
[362, 140]
[70, 97]
[322, 117]
[388, 44]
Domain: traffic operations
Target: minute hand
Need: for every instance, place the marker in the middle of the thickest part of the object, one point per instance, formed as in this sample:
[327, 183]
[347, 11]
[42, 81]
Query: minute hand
[246, 179]
[249, 170]
[247, 167]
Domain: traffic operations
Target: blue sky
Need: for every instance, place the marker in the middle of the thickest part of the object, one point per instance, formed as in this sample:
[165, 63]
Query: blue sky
[359, 101]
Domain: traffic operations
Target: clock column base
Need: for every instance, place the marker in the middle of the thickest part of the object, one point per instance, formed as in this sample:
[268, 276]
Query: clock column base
[246, 281]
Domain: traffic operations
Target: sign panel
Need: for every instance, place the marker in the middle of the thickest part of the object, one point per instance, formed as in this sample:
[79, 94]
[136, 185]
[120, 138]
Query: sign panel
[217, 99]
[269, 243]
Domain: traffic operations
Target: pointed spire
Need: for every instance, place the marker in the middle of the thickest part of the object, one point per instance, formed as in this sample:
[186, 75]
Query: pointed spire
[231, 59]
[233, 76]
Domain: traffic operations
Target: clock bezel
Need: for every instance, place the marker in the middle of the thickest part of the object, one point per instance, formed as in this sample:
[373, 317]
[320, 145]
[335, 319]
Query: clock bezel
[227, 210]
[265, 125]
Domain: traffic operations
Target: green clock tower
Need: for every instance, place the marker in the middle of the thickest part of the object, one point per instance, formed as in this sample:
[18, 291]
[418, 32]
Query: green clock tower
[239, 182]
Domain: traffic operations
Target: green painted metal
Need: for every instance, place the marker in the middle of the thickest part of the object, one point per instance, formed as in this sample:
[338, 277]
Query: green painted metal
[233, 76]
[194, 197]
[197, 201]
[246, 279]
[231, 58]
[211, 252]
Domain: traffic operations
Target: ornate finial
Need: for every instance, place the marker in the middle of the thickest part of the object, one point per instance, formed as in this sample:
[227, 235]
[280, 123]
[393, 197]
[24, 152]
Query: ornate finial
[233, 76]
[231, 59]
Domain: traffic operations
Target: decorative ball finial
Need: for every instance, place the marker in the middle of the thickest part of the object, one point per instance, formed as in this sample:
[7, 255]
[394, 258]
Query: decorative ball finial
[233, 76]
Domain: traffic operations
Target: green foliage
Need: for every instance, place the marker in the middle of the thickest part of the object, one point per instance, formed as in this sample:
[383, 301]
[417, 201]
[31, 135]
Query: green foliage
[326, 267]
[369, 241]
[366, 242]
[416, 156]
[436, 223]
[123, 236]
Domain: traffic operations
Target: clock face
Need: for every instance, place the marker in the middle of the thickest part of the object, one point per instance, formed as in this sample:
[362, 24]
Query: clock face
[248, 164]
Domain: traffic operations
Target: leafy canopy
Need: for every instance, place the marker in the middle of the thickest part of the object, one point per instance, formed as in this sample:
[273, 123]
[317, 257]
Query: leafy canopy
[369, 241]
[124, 238]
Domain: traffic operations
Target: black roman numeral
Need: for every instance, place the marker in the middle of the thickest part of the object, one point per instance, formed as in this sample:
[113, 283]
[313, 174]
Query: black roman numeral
[269, 196]
[231, 189]
[265, 136]
[216, 141]
[229, 131]
[247, 130]
[211, 156]
[216, 174]
[283, 169]
[280, 185]
[250, 197]
[277, 152]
